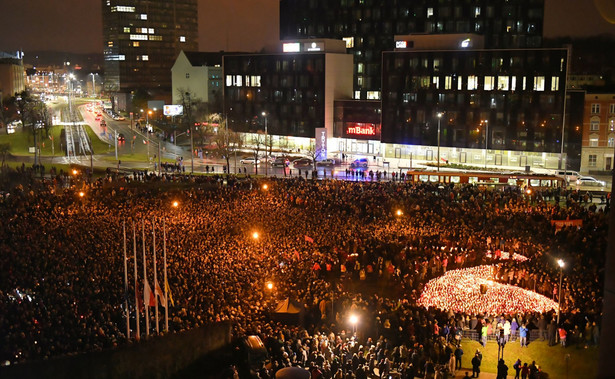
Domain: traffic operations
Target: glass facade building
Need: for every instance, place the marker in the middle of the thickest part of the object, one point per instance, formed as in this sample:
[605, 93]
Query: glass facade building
[369, 27]
[501, 99]
[141, 40]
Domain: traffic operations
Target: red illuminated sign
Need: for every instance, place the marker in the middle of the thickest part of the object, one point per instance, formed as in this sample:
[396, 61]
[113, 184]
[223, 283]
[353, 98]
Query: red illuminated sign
[361, 130]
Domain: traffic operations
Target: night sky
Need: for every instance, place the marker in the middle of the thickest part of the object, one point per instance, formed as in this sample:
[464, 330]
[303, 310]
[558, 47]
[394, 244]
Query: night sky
[247, 25]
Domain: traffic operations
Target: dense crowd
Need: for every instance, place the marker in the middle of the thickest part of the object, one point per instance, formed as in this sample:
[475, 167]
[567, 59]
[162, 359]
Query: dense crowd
[337, 247]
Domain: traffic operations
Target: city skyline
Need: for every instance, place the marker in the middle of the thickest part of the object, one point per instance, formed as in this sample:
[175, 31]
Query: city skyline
[247, 25]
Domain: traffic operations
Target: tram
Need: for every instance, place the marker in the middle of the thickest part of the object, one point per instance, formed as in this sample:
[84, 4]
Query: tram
[488, 179]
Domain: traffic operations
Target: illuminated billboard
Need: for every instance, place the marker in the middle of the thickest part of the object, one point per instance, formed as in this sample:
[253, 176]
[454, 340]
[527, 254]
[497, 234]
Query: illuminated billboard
[360, 130]
[173, 110]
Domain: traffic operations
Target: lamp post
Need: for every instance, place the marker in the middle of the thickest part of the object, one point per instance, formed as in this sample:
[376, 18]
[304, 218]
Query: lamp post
[266, 154]
[486, 139]
[561, 264]
[354, 320]
[439, 119]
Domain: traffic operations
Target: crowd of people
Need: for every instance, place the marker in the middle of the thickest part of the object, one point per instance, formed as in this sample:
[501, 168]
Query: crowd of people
[337, 247]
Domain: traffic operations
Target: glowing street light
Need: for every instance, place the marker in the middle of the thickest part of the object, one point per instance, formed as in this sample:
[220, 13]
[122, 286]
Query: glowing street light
[265, 187]
[354, 320]
[399, 212]
[75, 172]
[175, 204]
[81, 194]
[255, 235]
[439, 118]
[269, 286]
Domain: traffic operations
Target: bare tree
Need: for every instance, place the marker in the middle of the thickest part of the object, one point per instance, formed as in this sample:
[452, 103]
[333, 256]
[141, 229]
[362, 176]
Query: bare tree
[258, 144]
[313, 152]
[227, 142]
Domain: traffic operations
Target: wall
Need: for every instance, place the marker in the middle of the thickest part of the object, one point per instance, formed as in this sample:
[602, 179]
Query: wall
[157, 358]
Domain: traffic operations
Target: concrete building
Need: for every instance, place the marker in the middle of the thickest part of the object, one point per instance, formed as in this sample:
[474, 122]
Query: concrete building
[141, 40]
[598, 143]
[198, 73]
[12, 74]
[292, 91]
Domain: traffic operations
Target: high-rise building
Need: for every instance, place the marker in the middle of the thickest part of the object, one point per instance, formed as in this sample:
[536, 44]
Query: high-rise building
[142, 38]
[369, 27]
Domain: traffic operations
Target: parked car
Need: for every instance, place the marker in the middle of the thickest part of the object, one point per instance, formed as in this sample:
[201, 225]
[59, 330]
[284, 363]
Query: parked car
[119, 118]
[359, 163]
[249, 161]
[568, 175]
[326, 163]
[590, 181]
[280, 162]
[302, 162]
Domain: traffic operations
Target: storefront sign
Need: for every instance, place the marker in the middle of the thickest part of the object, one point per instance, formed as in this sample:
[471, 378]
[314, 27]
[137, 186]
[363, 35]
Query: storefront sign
[362, 131]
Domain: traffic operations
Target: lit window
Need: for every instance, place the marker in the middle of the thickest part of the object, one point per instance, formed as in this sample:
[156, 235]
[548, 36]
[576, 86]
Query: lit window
[145, 58]
[612, 108]
[489, 83]
[121, 8]
[460, 83]
[436, 82]
[136, 44]
[150, 31]
[513, 83]
[539, 83]
[182, 39]
[448, 82]
[594, 124]
[126, 29]
[429, 12]
[121, 57]
[524, 83]
[593, 141]
[360, 68]
[110, 43]
[255, 81]
[503, 83]
[138, 37]
[472, 82]
[612, 124]
[476, 11]
[238, 81]
[357, 95]
[143, 16]
[349, 42]
[229, 80]
[611, 141]
[360, 81]
[155, 38]
[373, 95]
[595, 108]
[187, 76]
[555, 83]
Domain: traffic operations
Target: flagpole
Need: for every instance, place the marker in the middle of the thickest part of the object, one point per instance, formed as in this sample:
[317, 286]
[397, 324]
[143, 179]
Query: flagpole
[126, 284]
[155, 275]
[134, 251]
[166, 295]
[145, 301]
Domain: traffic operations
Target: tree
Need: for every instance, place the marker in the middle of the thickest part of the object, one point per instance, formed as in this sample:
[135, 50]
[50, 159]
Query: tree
[258, 143]
[227, 142]
[5, 148]
[313, 152]
[7, 113]
[34, 116]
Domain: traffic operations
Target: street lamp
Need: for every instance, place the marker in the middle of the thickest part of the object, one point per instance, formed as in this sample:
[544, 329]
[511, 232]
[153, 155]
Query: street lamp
[354, 320]
[561, 264]
[486, 139]
[175, 204]
[266, 154]
[439, 119]
[269, 286]
[255, 235]
[399, 212]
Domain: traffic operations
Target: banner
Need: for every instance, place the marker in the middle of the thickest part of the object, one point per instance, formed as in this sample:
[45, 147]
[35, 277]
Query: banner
[559, 224]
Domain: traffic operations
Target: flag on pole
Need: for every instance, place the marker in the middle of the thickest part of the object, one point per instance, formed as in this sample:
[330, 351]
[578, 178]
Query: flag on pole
[309, 239]
[140, 300]
[160, 294]
[148, 295]
[166, 284]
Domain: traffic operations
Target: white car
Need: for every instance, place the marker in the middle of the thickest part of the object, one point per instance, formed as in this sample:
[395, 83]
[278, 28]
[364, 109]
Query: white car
[249, 161]
[590, 182]
[326, 163]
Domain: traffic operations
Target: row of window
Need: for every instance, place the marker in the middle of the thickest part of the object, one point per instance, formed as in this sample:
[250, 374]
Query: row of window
[594, 141]
[474, 83]
[594, 124]
[595, 108]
